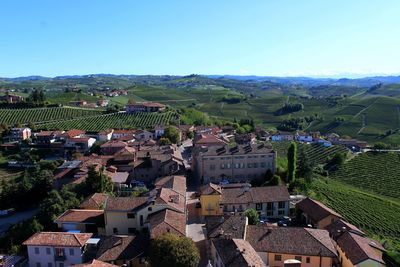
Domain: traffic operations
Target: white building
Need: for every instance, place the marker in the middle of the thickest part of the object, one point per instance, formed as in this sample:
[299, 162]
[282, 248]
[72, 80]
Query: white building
[56, 249]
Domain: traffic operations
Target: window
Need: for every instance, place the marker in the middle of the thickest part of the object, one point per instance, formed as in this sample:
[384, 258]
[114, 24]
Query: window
[249, 165]
[150, 208]
[36, 250]
[297, 258]
[141, 220]
[131, 230]
[278, 257]
[255, 165]
[222, 166]
[38, 264]
[48, 251]
[263, 164]
[61, 264]
[258, 206]
[115, 230]
[281, 212]
[59, 252]
[71, 252]
[131, 215]
[308, 260]
[270, 205]
[281, 204]
[212, 167]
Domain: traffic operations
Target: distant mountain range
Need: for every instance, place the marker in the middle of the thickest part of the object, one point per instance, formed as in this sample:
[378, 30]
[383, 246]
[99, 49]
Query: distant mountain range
[305, 81]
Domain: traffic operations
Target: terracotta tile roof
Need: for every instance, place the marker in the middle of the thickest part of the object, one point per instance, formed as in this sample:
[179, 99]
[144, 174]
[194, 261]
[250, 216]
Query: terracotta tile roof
[358, 248]
[79, 140]
[211, 189]
[113, 248]
[95, 201]
[59, 239]
[82, 216]
[339, 226]
[114, 144]
[171, 198]
[315, 209]
[49, 133]
[124, 132]
[72, 133]
[291, 240]
[167, 221]
[124, 203]
[254, 195]
[226, 225]
[237, 253]
[208, 139]
[175, 182]
[95, 263]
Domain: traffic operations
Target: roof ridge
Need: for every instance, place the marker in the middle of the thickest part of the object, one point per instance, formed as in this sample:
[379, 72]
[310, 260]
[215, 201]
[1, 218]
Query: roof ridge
[358, 245]
[307, 230]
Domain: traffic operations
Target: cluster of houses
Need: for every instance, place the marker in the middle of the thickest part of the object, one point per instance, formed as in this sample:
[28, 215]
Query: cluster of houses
[315, 138]
[116, 230]
[11, 99]
[320, 238]
[83, 103]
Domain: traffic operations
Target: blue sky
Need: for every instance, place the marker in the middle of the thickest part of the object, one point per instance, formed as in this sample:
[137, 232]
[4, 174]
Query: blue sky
[282, 37]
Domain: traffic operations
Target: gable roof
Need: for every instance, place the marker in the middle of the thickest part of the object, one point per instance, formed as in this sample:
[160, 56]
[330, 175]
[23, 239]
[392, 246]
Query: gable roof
[211, 189]
[254, 195]
[167, 221]
[291, 240]
[82, 216]
[59, 239]
[358, 248]
[95, 201]
[175, 182]
[315, 209]
[124, 203]
[113, 248]
[233, 226]
[237, 253]
[339, 226]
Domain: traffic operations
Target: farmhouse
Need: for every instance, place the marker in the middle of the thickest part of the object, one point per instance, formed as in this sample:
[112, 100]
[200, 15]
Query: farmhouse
[144, 107]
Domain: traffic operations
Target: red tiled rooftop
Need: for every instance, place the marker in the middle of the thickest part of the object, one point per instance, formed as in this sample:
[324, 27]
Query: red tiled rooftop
[59, 239]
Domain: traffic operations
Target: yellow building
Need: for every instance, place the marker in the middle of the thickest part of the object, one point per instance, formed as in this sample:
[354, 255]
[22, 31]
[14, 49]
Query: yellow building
[277, 245]
[210, 199]
[359, 251]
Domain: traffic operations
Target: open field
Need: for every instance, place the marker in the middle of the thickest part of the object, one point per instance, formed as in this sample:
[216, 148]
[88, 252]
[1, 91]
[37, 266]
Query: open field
[375, 172]
[36, 115]
[377, 216]
[115, 120]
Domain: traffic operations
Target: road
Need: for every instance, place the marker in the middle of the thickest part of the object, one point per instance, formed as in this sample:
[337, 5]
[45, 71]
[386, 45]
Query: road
[7, 222]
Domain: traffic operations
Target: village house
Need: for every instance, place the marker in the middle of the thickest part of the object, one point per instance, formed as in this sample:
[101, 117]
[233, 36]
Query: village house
[102, 102]
[316, 214]
[11, 99]
[207, 140]
[57, 249]
[144, 107]
[19, 134]
[112, 147]
[95, 201]
[226, 226]
[159, 131]
[280, 245]
[143, 135]
[185, 130]
[269, 201]
[282, 136]
[123, 250]
[105, 135]
[204, 129]
[72, 134]
[236, 164]
[47, 137]
[303, 137]
[227, 252]
[80, 144]
[128, 215]
[79, 103]
[81, 220]
[117, 134]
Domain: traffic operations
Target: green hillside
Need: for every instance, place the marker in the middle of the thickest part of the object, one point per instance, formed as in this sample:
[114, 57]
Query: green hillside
[375, 172]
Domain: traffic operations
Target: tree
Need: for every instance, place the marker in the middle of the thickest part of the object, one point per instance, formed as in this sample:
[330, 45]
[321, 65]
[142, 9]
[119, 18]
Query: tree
[172, 250]
[291, 157]
[172, 133]
[305, 167]
[252, 216]
[164, 141]
[275, 180]
[336, 161]
[98, 182]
